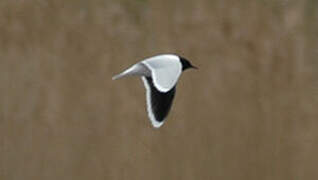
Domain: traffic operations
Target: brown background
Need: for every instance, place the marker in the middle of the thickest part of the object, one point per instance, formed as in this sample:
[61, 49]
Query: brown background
[249, 113]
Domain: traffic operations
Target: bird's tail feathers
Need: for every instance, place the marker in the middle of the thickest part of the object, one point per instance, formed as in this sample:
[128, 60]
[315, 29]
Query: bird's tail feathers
[118, 76]
[135, 70]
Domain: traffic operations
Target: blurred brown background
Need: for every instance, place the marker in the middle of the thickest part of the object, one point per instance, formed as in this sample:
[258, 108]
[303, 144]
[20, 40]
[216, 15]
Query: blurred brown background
[249, 113]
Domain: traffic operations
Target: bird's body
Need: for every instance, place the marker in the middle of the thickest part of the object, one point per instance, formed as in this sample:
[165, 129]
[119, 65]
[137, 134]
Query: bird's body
[160, 75]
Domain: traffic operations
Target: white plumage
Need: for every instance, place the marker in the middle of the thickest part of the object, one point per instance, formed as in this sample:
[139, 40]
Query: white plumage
[160, 75]
[165, 71]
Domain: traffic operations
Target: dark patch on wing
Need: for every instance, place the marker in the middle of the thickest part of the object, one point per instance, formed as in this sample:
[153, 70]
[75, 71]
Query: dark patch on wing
[160, 102]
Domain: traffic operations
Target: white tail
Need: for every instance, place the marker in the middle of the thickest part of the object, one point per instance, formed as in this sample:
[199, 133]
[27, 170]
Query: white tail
[118, 76]
[135, 70]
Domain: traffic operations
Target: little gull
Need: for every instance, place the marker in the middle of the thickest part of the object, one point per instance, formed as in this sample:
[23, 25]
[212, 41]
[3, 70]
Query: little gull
[160, 75]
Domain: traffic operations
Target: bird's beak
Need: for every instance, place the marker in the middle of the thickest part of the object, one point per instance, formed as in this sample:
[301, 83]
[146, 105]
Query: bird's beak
[194, 67]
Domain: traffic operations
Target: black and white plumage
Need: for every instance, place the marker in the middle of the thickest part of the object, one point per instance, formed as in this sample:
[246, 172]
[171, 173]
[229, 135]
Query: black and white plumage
[160, 75]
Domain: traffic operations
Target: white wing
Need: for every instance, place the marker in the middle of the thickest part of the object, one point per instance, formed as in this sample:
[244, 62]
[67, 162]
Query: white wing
[165, 71]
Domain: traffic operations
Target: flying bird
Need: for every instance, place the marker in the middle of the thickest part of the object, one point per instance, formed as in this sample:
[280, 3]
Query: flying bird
[160, 75]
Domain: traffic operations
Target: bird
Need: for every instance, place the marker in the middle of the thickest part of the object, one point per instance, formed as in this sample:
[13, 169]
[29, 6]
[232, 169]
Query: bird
[160, 74]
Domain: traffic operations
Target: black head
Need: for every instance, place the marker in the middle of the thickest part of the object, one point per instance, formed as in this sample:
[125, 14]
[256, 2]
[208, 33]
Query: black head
[186, 64]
